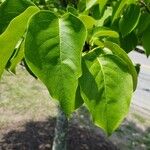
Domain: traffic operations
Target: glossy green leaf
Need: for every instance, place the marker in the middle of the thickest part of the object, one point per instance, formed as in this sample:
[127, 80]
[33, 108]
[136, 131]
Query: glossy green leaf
[28, 69]
[86, 4]
[81, 5]
[53, 50]
[88, 21]
[95, 12]
[17, 58]
[90, 3]
[146, 40]
[78, 99]
[12, 35]
[72, 10]
[100, 33]
[97, 41]
[123, 55]
[129, 42]
[130, 19]
[9, 9]
[104, 32]
[104, 18]
[102, 4]
[144, 22]
[118, 9]
[106, 87]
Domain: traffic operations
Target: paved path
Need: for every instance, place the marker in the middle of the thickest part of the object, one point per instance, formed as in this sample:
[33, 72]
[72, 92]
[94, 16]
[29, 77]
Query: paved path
[141, 98]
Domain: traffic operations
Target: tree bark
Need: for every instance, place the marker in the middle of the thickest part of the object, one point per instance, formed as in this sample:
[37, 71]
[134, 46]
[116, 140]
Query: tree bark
[61, 131]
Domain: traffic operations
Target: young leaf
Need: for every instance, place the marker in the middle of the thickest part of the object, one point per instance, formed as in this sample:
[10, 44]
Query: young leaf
[12, 35]
[90, 3]
[118, 9]
[17, 58]
[123, 55]
[72, 10]
[85, 5]
[102, 4]
[81, 5]
[105, 32]
[106, 87]
[130, 19]
[53, 50]
[99, 33]
[88, 21]
[10, 9]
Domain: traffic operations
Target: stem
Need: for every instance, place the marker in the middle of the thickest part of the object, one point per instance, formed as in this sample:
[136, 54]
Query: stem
[61, 131]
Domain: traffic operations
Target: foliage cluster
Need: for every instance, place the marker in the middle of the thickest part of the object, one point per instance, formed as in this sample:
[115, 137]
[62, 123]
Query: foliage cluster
[78, 49]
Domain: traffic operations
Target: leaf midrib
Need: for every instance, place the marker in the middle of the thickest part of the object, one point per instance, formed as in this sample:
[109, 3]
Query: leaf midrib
[61, 61]
[104, 81]
[60, 54]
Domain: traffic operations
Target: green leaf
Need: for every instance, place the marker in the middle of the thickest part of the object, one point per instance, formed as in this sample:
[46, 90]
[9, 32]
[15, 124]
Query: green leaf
[106, 87]
[146, 40]
[129, 42]
[100, 32]
[88, 21]
[118, 9]
[123, 55]
[102, 4]
[9, 9]
[90, 3]
[104, 18]
[78, 99]
[72, 10]
[130, 19]
[95, 12]
[17, 58]
[105, 32]
[144, 22]
[81, 5]
[53, 49]
[97, 41]
[85, 5]
[12, 35]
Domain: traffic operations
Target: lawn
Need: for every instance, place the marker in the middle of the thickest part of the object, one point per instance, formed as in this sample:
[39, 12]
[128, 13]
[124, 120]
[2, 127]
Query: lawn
[27, 120]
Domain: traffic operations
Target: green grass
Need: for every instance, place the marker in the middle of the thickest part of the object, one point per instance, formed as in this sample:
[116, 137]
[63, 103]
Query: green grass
[22, 98]
[139, 118]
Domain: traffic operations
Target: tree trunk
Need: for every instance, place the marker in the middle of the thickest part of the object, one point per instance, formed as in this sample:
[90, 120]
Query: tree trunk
[61, 130]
